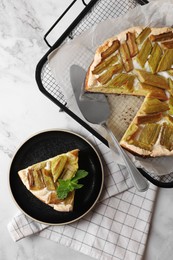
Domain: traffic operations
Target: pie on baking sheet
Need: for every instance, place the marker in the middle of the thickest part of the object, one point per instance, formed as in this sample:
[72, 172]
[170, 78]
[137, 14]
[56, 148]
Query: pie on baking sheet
[41, 179]
[139, 62]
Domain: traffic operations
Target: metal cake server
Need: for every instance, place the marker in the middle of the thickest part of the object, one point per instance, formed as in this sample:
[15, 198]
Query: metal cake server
[95, 109]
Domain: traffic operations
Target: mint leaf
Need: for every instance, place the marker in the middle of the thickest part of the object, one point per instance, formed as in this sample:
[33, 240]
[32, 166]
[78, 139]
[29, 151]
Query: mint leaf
[79, 175]
[65, 186]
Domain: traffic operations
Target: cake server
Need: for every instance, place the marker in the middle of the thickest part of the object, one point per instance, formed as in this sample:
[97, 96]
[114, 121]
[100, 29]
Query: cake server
[95, 109]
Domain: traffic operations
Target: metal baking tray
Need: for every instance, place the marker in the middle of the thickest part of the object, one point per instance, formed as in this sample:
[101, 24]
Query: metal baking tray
[92, 12]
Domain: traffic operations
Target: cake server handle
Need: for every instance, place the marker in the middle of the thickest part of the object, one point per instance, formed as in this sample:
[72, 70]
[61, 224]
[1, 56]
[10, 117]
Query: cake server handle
[138, 179]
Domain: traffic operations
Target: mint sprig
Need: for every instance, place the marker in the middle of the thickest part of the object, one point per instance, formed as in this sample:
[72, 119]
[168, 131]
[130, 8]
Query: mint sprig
[65, 186]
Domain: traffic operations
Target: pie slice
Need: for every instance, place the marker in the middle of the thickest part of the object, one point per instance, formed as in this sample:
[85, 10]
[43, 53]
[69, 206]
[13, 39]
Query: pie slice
[41, 179]
[139, 62]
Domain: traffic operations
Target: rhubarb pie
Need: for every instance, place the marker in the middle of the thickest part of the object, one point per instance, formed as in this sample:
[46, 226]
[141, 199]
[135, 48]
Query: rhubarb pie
[139, 62]
[41, 179]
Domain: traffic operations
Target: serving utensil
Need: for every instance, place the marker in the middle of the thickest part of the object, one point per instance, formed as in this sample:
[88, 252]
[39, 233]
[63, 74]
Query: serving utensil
[95, 109]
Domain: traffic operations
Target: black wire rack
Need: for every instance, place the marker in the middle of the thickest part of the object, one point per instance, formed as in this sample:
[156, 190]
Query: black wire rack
[93, 12]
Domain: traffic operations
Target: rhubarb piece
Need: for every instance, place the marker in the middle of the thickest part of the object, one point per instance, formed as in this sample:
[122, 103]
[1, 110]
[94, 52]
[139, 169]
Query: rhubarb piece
[121, 80]
[171, 100]
[115, 46]
[166, 61]
[167, 136]
[152, 79]
[170, 105]
[169, 119]
[144, 53]
[131, 132]
[130, 83]
[128, 65]
[103, 65]
[149, 134]
[37, 180]
[171, 86]
[57, 166]
[167, 44]
[153, 92]
[159, 95]
[125, 56]
[170, 72]
[30, 178]
[151, 118]
[147, 147]
[161, 37]
[131, 42]
[105, 77]
[153, 105]
[155, 57]
[117, 80]
[70, 168]
[143, 35]
[48, 180]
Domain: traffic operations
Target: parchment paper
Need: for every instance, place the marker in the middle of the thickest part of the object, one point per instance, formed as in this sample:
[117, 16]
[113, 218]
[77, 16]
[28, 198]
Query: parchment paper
[81, 50]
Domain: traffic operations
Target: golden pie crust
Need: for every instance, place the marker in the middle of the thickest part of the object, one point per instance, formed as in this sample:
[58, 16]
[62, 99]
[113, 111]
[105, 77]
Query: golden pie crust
[139, 62]
[41, 179]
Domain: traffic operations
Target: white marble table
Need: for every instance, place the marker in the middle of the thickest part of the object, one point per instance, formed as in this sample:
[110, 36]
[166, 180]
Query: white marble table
[24, 111]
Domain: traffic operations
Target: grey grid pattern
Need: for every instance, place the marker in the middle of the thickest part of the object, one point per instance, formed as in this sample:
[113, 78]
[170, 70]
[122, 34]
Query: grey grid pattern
[102, 10]
[51, 85]
[116, 228]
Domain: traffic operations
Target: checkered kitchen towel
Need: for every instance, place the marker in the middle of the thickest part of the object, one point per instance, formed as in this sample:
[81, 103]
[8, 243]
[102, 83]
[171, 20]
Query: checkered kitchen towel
[116, 228]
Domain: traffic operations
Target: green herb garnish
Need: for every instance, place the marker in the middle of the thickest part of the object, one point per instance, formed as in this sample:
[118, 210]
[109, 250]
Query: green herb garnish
[65, 186]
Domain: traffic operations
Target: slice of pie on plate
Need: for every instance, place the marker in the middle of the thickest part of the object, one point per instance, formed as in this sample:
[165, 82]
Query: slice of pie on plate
[139, 62]
[41, 179]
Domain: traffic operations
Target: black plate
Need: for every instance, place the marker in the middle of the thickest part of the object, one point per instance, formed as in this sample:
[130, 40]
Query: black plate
[43, 146]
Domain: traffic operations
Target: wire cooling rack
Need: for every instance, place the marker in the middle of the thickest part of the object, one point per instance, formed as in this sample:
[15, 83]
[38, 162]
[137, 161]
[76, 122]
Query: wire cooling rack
[97, 12]
[94, 12]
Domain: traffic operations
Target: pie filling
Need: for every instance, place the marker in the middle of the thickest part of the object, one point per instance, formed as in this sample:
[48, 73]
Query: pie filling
[41, 179]
[139, 61]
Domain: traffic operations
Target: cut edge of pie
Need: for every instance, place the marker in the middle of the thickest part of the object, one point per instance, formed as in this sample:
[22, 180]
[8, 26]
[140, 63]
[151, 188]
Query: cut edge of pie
[41, 179]
[139, 62]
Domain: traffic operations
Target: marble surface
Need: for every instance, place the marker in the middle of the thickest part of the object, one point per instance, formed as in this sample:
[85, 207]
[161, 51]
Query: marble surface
[24, 111]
